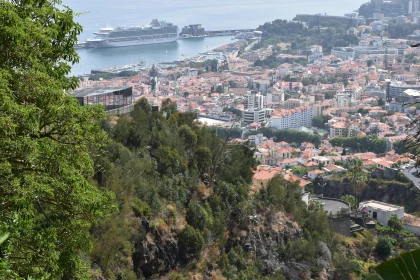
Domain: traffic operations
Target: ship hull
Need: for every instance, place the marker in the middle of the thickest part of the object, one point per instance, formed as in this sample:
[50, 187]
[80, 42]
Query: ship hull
[128, 43]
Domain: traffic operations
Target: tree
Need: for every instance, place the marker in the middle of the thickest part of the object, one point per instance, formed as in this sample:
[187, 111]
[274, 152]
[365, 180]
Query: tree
[191, 243]
[153, 84]
[351, 200]
[219, 89]
[384, 247]
[203, 159]
[169, 107]
[395, 223]
[381, 102]
[300, 171]
[319, 121]
[197, 216]
[47, 144]
[345, 268]
[358, 177]
[306, 82]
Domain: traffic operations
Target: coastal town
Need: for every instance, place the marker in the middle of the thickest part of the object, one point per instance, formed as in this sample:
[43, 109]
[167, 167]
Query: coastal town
[308, 116]
[264, 140]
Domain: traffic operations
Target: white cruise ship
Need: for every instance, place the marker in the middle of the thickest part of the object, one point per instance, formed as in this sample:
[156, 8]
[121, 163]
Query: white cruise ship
[157, 32]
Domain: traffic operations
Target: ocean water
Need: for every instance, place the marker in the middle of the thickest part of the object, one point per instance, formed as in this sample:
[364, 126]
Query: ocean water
[214, 15]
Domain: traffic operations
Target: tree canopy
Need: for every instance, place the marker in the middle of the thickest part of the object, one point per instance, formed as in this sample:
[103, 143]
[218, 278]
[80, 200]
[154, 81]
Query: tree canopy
[47, 145]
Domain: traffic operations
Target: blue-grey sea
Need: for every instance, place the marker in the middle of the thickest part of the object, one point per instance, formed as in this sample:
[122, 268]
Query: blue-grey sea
[214, 15]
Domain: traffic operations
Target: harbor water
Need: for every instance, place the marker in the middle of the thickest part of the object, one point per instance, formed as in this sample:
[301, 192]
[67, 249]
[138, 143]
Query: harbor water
[214, 15]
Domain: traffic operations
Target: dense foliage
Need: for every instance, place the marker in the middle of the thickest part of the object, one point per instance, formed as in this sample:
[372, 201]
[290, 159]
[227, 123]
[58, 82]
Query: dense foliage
[301, 37]
[47, 143]
[361, 143]
[289, 136]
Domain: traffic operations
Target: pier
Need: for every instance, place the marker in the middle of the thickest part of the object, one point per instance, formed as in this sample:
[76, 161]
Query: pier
[227, 32]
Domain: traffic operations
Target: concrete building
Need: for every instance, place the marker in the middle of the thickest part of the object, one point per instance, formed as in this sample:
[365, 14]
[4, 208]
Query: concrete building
[411, 223]
[293, 118]
[256, 140]
[381, 211]
[292, 103]
[409, 96]
[397, 89]
[254, 110]
[342, 100]
[359, 51]
[339, 129]
[254, 101]
[109, 97]
[343, 53]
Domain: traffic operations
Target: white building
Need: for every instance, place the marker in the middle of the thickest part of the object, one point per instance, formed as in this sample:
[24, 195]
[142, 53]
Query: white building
[254, 115]
[254, 109]
[254, 101]
[293, 118]
[343, 53]
[381, 211]
[256, 139]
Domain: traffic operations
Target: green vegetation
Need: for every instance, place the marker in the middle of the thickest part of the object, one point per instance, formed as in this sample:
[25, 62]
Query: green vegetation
[147, 195]
[384, 246]
[300, 37]
[290, 136]
[298, 170]
[48, 146]
[234, 111]
[361, 143]
[350, 199]
[191, 243]
[402, 267]
[395, 223]
[320, 121]
[273, 62]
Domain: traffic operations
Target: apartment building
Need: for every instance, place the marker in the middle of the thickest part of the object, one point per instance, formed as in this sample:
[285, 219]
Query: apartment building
[293, 118]
[342, 100]
[339, 129]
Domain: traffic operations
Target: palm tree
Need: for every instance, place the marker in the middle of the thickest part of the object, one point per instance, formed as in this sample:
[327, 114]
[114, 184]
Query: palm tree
[358, 178]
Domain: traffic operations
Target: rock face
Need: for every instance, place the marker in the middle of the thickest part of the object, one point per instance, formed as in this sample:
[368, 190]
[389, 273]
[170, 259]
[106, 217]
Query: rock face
[261, 234]
[157, 254]
[385, 191]
[265, 233]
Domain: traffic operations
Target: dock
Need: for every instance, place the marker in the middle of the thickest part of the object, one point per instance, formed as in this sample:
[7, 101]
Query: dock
[227, 32]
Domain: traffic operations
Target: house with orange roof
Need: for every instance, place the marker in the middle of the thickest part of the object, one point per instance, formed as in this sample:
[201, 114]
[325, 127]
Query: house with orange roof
[392, 139]
[263, 175]
[313, 174]
[287, 162]
[289, 176]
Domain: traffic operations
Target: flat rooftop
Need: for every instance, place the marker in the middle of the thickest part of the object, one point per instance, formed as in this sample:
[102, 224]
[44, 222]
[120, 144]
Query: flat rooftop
[332, 205]
[380, 206]
[85, 92]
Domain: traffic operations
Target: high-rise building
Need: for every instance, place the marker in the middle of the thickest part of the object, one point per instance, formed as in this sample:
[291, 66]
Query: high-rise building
[254, 110]
[254, 101]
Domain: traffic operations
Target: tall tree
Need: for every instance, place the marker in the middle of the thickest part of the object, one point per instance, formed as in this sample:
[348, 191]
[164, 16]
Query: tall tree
[47, 143]
[358, 177]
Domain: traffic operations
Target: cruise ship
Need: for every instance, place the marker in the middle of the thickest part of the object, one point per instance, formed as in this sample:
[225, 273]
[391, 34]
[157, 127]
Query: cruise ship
[156, 32]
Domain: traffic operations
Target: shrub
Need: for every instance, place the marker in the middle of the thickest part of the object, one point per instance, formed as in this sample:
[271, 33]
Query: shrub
[190, 243]
[384, 246]
[197, 215]
[141, 208]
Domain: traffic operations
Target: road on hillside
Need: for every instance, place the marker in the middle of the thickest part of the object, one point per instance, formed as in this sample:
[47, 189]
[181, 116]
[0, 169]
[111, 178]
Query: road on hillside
[408, 173]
